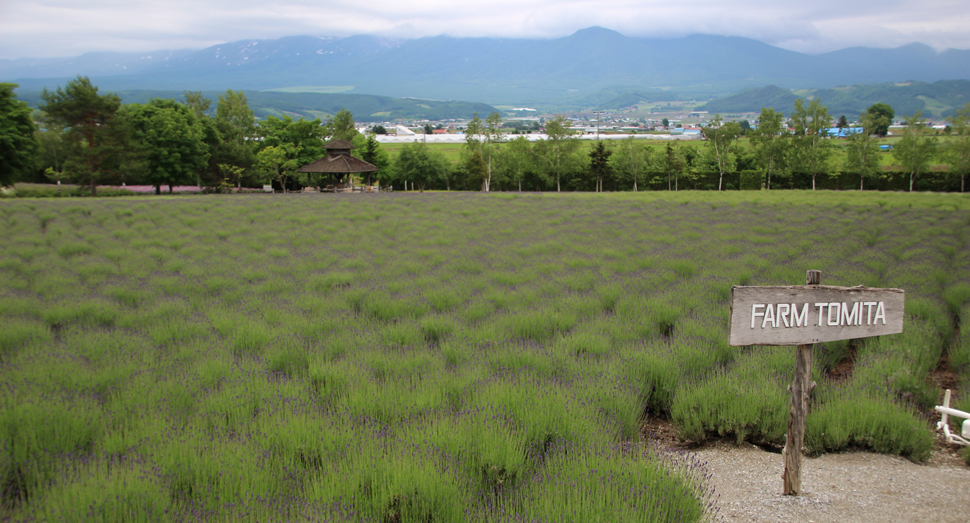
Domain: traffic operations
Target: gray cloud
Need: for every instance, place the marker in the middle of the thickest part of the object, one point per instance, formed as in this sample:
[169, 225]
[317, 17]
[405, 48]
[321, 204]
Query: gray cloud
[29, 28]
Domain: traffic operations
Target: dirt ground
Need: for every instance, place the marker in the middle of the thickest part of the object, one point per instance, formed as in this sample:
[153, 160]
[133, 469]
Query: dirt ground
[844, 487]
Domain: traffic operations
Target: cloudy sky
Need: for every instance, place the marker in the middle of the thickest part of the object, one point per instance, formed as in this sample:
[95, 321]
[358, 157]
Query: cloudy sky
[45, 28]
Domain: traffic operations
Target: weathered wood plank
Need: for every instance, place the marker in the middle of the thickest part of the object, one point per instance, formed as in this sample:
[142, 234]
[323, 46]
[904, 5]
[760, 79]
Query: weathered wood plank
[801, 390]
[805, 314]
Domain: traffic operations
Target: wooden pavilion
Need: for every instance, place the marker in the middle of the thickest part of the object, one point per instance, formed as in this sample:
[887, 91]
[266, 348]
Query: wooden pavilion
[337, 163]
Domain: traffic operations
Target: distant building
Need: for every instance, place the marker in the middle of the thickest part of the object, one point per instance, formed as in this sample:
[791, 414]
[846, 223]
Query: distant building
[835, 132]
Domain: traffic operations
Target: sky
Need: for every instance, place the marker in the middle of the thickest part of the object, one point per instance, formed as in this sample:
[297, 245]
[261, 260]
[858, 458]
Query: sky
[50, 28]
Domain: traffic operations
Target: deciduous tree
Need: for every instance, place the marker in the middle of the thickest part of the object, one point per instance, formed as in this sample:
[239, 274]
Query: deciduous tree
[721, 138]
[341, 126]
[237, 126]
[199, 104]
[915, 149]
[51, 146]
[515, 159]
[557, 150]
[811, 149]
[771, 142]
[484, 137]
[17, 141]
[861, 151]
[421, 166]
[631, 160]
[279, 162]
[305, 138]
[957, 149]
[173, 138]
[882, 117]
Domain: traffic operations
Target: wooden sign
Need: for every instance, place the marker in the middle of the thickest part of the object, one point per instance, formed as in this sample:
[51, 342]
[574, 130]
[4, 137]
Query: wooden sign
[802, 316]
[805, 314]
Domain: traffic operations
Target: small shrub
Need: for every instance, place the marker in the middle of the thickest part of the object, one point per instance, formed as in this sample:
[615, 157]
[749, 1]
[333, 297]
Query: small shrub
[435, 328]
[856, 417]
[540, 326]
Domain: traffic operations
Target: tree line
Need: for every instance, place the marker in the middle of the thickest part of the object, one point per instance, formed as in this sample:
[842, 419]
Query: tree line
[88, 138]
[82, 136]
[778, 152]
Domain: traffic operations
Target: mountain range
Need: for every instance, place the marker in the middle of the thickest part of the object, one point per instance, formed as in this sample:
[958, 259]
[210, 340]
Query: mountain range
[593, 64]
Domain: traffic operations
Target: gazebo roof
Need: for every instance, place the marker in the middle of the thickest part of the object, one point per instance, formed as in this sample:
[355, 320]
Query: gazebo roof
[337, 143]
[338, 161]
[338, 164]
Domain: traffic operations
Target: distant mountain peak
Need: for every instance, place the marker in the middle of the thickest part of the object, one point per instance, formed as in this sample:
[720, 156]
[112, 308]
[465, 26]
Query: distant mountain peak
[498, 70]
[596, 30]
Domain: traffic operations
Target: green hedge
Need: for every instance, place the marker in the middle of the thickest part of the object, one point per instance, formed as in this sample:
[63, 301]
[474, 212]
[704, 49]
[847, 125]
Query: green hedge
[751, 180]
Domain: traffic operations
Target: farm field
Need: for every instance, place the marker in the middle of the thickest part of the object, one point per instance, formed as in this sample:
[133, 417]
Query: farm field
[444, 356]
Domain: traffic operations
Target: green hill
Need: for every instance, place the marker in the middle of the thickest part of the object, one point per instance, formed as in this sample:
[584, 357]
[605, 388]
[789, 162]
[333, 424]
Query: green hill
[365, 108]
[936, 100]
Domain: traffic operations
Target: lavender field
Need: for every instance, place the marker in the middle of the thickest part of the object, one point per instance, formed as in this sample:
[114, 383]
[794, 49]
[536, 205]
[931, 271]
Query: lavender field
[442, 357]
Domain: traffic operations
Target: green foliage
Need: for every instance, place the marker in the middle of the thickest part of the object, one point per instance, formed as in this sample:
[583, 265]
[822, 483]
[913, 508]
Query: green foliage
[557, 152]
[419, 165]
[341, 126]
[295, 144]
[514, 161]
[279, 162]
[880, 117]
[457, 357]
[372, 152]
[46, 191]
[748, 400]
[600, 168]
[236, 125]
[17, 142]
[859, 418]
[772, 144]
[811, 151]
[631, 160]
[481, 139]
[861, 149]
[672, 163]
[956, 150]
[172, 137]
[721, 139]
[915, 149]
[751, 180]
[94, 135]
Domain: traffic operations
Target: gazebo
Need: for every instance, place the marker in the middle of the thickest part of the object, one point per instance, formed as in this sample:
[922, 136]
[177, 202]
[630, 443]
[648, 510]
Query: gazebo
[337, 163]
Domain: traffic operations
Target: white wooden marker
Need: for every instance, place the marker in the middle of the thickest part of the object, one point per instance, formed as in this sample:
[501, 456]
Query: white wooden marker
[802, 316]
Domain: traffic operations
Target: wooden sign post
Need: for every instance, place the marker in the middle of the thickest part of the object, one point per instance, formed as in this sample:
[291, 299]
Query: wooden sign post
[803, 316]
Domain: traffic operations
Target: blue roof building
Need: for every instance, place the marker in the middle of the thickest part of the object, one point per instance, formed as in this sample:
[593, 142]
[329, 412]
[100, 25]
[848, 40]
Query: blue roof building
[835, 132]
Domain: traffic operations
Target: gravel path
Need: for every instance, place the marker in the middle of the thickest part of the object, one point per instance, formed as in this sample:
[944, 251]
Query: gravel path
[847, 487]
